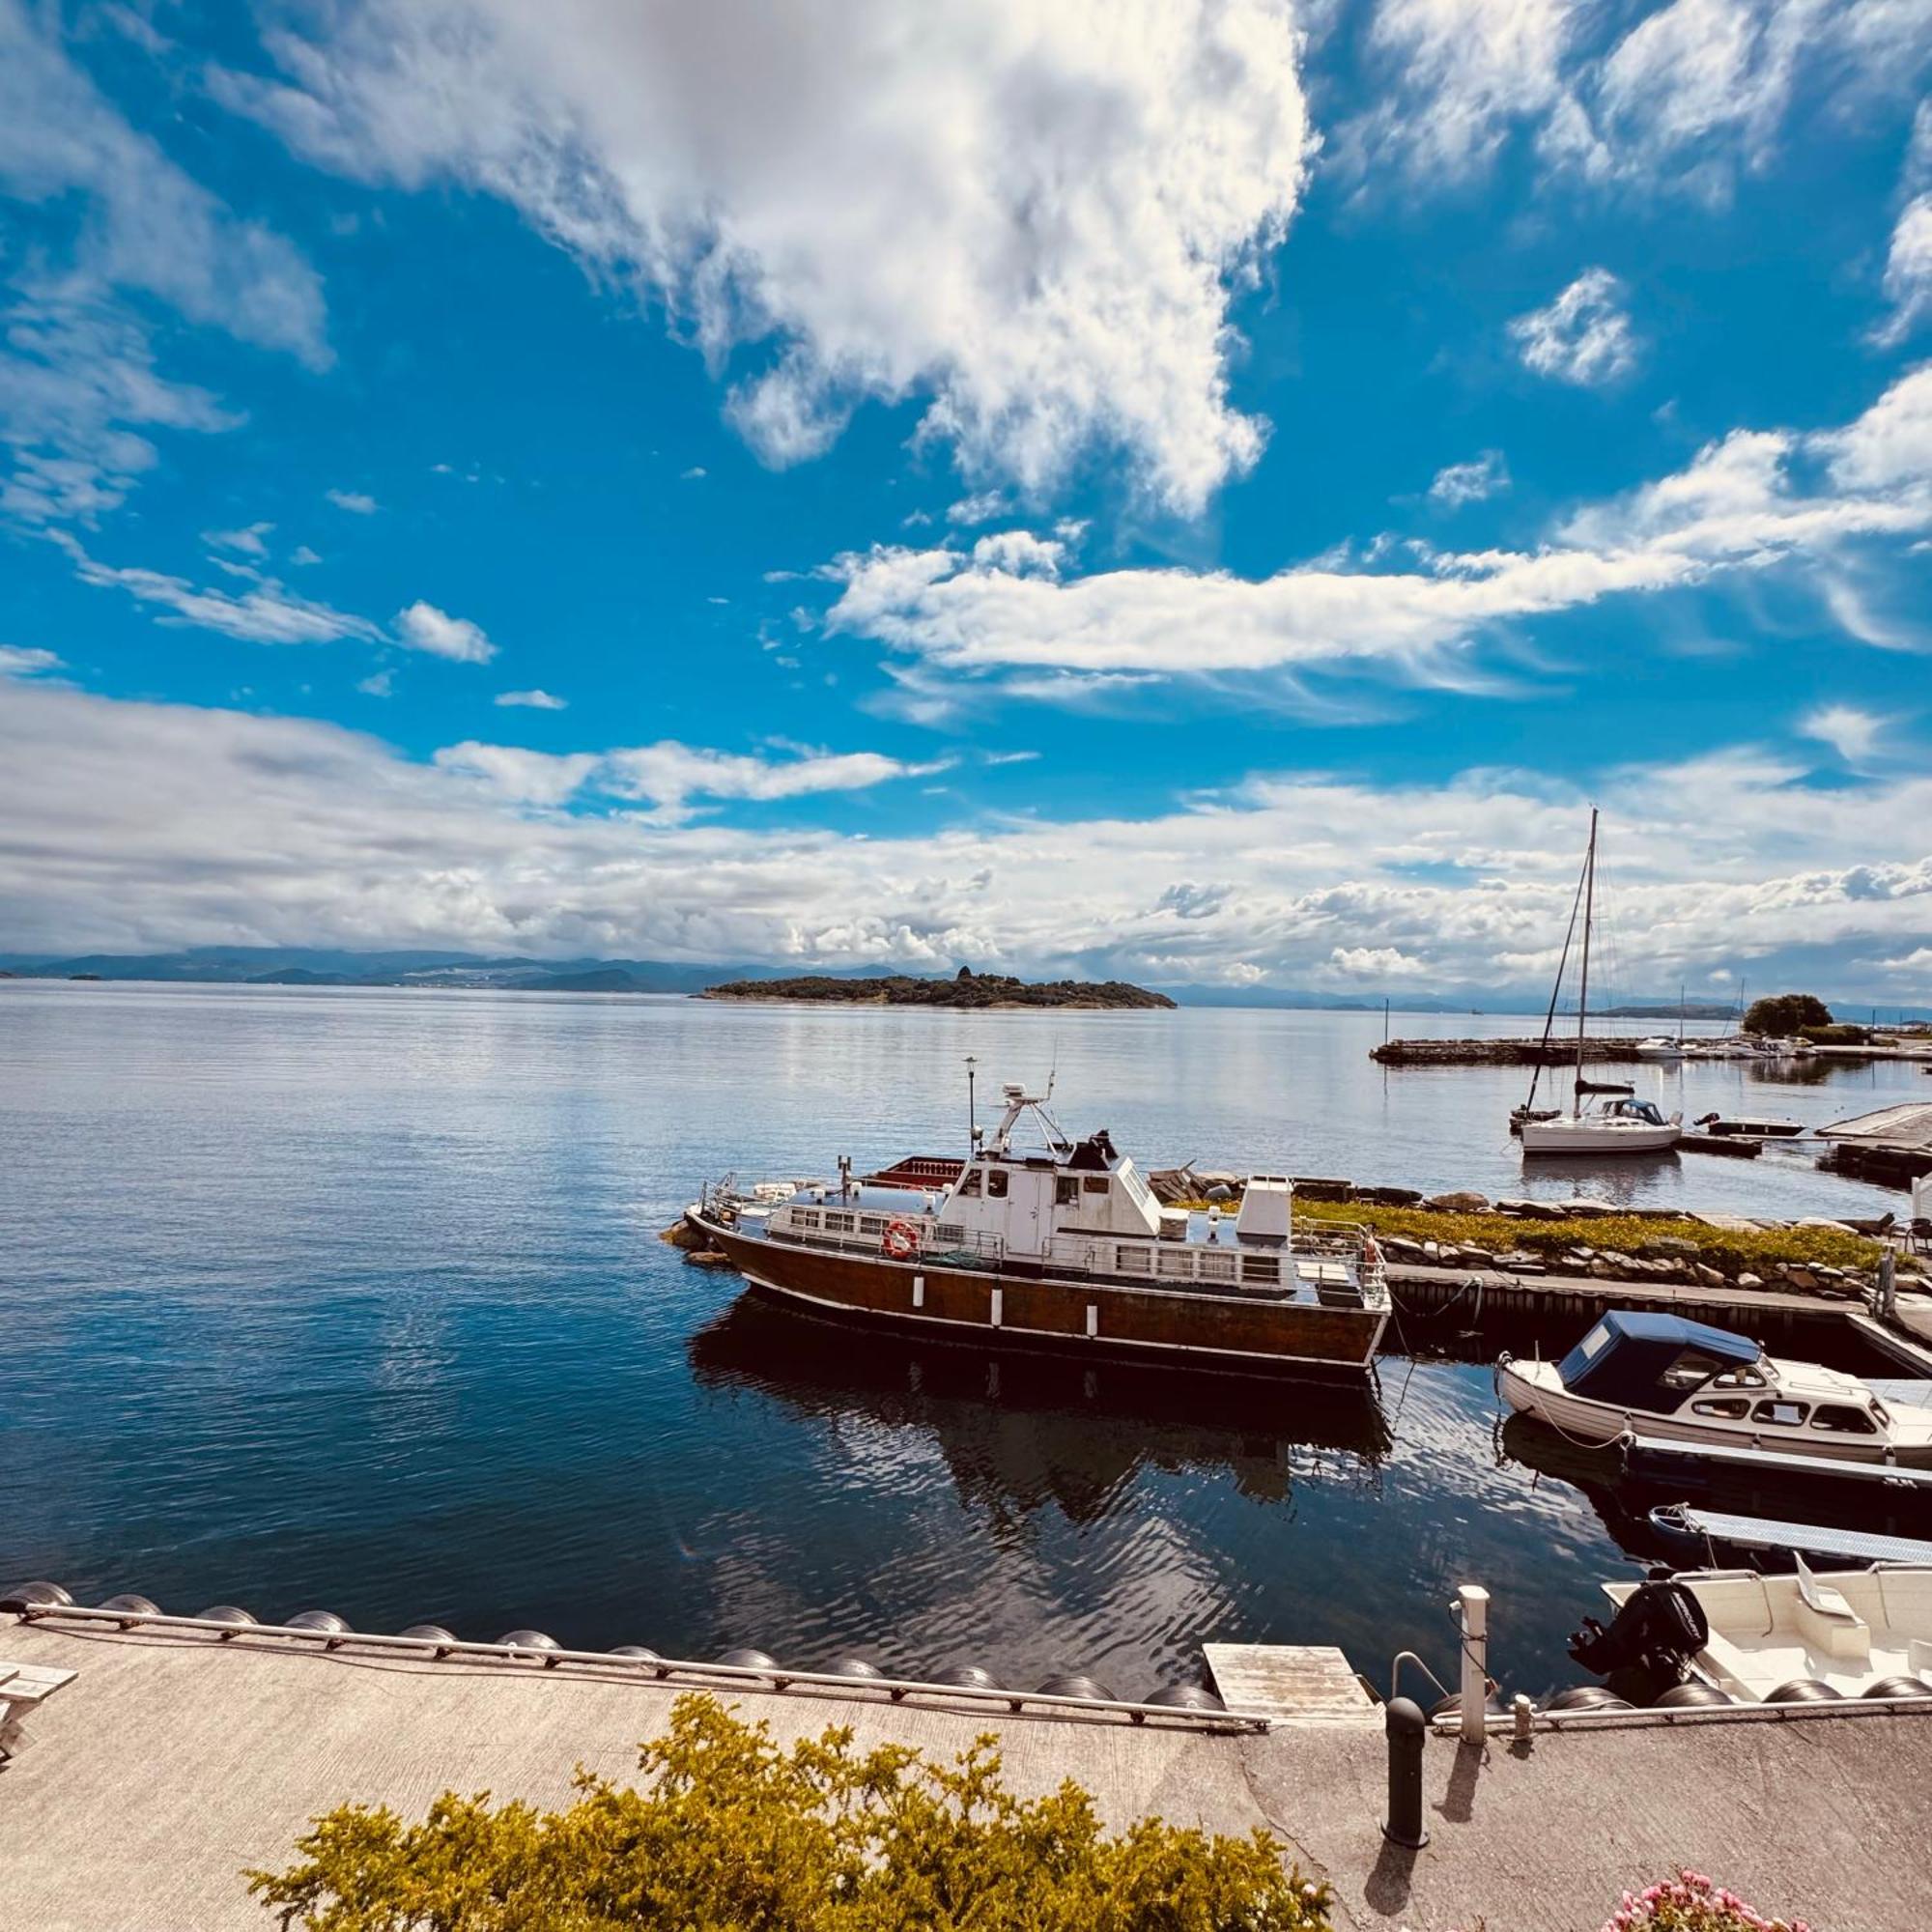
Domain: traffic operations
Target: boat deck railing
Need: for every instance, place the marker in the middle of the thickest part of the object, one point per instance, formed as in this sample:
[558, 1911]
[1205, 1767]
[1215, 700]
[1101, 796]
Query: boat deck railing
[1319, 1264]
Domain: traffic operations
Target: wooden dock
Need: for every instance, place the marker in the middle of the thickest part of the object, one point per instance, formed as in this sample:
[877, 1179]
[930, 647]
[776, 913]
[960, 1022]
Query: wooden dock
[1291, 1683]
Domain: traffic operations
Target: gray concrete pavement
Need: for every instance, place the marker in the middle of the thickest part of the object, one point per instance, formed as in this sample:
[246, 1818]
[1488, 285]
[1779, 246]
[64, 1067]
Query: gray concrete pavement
[173, 1762]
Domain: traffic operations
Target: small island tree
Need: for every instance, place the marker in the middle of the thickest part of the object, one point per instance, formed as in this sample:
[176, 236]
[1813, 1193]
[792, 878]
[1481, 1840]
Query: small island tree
[1784, 1015]
[732, 1830]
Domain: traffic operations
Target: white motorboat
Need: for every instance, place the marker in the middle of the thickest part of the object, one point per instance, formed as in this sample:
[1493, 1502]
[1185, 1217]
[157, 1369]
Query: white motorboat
[1668, 1380]
[1802, 1638]
[1660, 1046]
[1601, 1118]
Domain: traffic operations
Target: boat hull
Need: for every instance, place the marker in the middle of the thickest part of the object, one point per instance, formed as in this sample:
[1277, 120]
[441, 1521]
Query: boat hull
[1588, 1137]
[1006, 1308]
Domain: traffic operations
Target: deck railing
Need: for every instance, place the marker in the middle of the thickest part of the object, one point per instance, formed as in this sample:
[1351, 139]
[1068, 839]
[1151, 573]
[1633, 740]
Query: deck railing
[1332, 1257]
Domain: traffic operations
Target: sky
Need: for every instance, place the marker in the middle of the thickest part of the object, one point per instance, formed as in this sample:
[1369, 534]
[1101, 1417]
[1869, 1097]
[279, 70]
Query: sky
[1211, 492]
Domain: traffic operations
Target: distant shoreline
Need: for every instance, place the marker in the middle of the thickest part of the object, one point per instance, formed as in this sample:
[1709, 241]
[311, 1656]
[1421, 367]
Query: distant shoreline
[967, 992]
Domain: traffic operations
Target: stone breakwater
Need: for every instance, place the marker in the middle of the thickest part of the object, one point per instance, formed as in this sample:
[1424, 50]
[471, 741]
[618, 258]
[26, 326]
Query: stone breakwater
[1549, 1237]
[1500, 1052]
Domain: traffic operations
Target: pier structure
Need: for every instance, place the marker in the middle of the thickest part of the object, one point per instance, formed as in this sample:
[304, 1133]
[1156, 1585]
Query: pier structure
[175, 1759]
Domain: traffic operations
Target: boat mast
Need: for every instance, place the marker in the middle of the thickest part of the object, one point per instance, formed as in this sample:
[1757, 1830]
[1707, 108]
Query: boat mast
[1555, 994]
[1584, 983]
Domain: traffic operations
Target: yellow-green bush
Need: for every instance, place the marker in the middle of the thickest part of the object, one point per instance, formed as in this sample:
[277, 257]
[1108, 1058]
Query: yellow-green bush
[1734, 1252]
[730, 1830]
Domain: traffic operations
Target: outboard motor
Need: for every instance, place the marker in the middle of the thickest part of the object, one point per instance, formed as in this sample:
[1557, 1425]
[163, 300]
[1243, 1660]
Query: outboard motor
[1659, 1630]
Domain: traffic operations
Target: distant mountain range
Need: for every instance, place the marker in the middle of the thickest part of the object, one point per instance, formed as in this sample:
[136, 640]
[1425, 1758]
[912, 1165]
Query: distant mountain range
[327, 966]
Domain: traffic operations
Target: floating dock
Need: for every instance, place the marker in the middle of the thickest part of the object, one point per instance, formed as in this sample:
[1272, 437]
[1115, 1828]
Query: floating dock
[173, 1762]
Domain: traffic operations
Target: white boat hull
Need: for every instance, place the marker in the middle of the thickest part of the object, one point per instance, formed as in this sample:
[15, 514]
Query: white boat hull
[1586, 1136]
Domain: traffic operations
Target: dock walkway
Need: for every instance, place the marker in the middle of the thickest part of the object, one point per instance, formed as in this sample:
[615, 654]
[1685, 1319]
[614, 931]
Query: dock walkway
[170, 1763]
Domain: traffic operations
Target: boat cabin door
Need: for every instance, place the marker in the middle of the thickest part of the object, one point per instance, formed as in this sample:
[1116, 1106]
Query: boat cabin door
[1029, 1209]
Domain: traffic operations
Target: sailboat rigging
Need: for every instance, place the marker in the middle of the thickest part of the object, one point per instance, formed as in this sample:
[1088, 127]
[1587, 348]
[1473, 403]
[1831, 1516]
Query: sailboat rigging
[1602, 1117]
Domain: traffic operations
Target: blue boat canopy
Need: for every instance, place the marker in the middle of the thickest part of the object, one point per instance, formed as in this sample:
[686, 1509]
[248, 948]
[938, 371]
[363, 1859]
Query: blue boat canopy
[1651, 1361]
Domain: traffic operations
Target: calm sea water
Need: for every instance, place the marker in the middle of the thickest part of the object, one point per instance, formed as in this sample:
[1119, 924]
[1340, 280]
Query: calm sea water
[354, 1299]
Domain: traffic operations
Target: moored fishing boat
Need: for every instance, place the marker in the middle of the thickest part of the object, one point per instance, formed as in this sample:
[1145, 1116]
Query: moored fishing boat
[1059, 1242]
[1667, 1380]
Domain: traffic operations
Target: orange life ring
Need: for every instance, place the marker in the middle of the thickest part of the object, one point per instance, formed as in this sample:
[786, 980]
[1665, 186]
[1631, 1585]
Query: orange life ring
[900, 1241]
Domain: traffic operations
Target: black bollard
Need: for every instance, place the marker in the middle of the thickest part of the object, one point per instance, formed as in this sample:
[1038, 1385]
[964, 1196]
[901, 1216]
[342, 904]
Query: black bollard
[1406, 1727]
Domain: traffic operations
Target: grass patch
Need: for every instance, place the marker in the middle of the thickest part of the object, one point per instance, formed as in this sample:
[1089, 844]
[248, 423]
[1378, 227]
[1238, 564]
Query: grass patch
[1732, 1252]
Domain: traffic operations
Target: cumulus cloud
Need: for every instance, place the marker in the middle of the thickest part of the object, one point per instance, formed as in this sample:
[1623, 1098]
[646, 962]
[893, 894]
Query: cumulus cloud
[1460, 483]
[249, 541]
[422, 627]
[668, 774]
[532, 701]
[1034, 220]
[283, 830]
[1757, 499]
[1583, 337]
[358, 503]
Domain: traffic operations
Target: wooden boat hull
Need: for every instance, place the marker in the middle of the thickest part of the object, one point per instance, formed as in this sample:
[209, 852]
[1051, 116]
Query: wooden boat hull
[1007, 1308]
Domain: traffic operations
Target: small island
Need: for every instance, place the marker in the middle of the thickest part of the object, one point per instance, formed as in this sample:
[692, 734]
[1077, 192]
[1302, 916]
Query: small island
[966, 990]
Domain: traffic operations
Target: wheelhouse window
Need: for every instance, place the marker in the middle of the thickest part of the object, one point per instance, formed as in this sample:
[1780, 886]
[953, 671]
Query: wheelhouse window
[1724, 1408]
[969, 1188]
[996, 1183]
[1067, 1191]
[1781, 1414]
[1094, 1183]
[1692, 1368]
[1842, 1420]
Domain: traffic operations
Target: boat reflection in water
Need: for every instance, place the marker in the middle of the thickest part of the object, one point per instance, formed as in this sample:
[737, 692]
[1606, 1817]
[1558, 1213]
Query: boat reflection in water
[1018, 1430]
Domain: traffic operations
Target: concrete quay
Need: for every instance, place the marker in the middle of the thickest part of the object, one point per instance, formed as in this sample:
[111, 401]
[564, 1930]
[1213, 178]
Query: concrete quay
[172, 1762]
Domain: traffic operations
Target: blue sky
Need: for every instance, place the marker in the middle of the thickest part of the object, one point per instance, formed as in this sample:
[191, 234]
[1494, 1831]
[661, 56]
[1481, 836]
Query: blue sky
[1208, 492]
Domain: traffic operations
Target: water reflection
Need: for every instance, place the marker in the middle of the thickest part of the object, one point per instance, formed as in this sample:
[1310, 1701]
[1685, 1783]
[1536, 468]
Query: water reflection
[1018, 1431]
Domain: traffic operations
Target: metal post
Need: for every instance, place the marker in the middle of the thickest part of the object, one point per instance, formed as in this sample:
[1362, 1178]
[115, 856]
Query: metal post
[1472, 1615]
[1406, 1726]
[1888, 1282]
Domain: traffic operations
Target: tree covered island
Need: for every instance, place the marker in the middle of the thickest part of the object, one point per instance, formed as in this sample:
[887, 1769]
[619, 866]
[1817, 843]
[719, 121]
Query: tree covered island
[967, 989]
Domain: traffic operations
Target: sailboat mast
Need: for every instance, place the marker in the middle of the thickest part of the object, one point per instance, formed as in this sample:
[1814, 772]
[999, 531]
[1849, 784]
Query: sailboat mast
[1583, 983]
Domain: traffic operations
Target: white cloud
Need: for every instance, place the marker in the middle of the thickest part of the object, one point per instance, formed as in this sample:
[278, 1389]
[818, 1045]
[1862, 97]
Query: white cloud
[248, 542]
[1032, 218]
[1583, 337]
[983, 506]
[355, 501]
[149, 226]
[668, 775]
[529, 778]
[266, 613]
[1908, 271]
[1748, 503]
[1674, 99]
[1460, 483]
[301, 553]
[26, 661]
[378, 684]
[285, 831]
[692, 475]
[1852, 733]
[422, 627]
[532, 701]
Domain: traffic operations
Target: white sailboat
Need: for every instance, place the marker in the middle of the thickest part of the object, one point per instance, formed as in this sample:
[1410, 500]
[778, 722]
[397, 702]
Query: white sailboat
[1604, 1117]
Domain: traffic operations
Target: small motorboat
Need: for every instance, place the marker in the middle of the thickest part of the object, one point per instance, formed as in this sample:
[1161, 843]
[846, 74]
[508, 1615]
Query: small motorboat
[1694, 1535]
[1751, 1127]
[1795, 1639]
[1661, 1046]
[1661, 1378]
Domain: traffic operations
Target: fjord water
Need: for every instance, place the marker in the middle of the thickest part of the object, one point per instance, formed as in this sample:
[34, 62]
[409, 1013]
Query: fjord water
[354, 1299]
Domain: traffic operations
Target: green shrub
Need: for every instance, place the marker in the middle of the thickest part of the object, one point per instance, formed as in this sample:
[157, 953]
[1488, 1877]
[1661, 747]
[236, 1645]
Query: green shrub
[732, 1831]
[1732, 1251]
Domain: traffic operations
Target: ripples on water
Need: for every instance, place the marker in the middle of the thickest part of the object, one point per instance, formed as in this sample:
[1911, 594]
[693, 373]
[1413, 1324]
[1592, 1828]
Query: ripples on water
[354, 1299]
